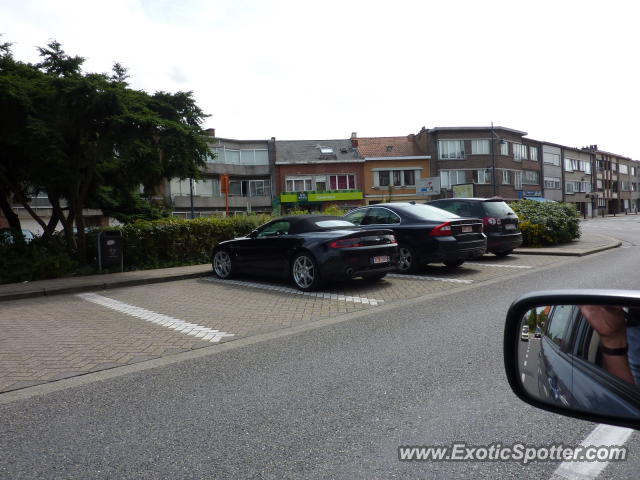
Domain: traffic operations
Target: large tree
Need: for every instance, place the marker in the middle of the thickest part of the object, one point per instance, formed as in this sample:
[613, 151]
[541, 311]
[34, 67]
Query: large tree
[79, 136]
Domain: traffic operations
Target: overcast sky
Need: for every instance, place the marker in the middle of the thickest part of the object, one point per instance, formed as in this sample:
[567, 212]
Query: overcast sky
[564, 71]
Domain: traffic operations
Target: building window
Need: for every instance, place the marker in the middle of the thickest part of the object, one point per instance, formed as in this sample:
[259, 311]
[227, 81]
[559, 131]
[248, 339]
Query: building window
[504, 148]
[517, 180]
[483, 176]
[569, 187]
[452, 177]
[519, 151]
[506, 177]
[480, 147]
[585, 167]
[321, 183]
[623, 169]
[409, 177]
[451, 149]
[533, 153]
[552, 182]
[551, 158]
[239, 157]
[397, 178]
[568, 165]
[298, 184]
[531, 177]
[342, 182]
[250, 188]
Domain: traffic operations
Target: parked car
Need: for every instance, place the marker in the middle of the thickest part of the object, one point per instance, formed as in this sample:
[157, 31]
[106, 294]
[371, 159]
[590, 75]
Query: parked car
[7, 236]
[538, 333]
[501, 224]
[425, 234]
[309, 249]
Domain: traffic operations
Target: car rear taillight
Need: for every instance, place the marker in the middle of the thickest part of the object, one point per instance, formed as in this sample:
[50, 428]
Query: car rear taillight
[491, 221]
[442, 230]
[347, 243]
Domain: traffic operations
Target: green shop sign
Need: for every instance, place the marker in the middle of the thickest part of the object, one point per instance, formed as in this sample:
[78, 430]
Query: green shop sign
[310, 197]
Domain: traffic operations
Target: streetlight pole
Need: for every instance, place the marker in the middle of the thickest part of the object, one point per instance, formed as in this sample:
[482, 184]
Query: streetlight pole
[193, 212]
[493, 161]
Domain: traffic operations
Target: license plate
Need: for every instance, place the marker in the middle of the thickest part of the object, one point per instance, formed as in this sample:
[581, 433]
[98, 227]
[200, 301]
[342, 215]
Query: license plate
[510, 226]
[380, 259]
[467, 228]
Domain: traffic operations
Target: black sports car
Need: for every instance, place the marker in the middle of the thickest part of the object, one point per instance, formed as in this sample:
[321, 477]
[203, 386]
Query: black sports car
[310, 249]
[425, 234]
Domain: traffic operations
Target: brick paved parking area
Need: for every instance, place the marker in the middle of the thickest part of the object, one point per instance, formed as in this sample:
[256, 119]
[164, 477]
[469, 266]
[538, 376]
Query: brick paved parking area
[50, 338]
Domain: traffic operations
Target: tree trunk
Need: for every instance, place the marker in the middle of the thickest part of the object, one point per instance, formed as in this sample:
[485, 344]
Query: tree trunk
[11, 216]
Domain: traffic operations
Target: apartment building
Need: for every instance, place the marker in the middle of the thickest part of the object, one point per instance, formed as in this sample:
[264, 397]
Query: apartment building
[250, 166]
[489, 161]
[578, 179]
[613, 182]
[313, 174]
[393, 167]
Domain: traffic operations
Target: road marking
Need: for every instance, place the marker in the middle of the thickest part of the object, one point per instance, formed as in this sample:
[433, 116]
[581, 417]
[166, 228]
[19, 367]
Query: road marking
[601, 435]
[277, 288]
[525, 363]
[495, 265]
[426, 277]
[193, 329]
[523, 378]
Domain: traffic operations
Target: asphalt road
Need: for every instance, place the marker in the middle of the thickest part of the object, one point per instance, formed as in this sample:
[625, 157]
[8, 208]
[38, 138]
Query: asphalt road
[329, 402]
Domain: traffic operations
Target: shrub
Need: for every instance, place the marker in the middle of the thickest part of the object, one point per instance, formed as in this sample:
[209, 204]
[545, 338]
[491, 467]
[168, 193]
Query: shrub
[41, 259]
[174, 241]
[547, 223]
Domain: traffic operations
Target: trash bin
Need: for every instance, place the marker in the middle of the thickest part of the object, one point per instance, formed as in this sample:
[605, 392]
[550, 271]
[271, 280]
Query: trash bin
[110, 249]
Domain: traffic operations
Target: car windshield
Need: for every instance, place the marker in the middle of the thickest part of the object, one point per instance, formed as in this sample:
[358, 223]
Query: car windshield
[497, 209]
[427, 212]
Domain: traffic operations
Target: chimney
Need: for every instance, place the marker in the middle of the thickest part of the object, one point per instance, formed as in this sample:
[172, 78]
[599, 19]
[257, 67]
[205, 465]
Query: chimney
[354, 139]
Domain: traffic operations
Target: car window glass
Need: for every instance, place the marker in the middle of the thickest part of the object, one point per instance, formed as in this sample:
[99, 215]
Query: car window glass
[334, 224]
[381, 216]
[427, 212]
[356, 216]
[497, 209]
[274, 228]
[559, 322]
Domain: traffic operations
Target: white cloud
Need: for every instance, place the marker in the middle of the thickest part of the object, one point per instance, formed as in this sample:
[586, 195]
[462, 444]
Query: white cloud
[563, 71]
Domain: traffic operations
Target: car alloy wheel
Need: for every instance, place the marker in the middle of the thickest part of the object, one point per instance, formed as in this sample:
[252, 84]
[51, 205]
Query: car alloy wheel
[406, 260]
[222, 264]
[305, 272]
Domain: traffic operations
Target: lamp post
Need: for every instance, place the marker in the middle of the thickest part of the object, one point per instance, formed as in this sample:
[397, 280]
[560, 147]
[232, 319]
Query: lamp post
[493, 159]
[193, 213]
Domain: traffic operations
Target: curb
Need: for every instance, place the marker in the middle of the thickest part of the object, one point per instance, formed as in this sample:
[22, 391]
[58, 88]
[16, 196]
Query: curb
[567, 253]
[100, 286]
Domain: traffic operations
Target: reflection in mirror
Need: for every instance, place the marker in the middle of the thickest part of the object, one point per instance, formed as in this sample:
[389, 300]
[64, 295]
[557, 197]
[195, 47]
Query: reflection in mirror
[582, 357]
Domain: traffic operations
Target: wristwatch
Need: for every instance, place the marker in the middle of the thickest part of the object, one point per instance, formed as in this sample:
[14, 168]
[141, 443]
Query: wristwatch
[615, 352]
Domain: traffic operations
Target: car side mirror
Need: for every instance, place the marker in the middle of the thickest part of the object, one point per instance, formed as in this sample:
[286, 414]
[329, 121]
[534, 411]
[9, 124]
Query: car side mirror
[577, 353]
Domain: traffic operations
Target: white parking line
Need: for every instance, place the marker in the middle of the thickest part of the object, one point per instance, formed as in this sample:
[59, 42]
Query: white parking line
[601, 435]
[523, 378]
[495, 265]
[278, 288]
[426, 277]
[193, 329]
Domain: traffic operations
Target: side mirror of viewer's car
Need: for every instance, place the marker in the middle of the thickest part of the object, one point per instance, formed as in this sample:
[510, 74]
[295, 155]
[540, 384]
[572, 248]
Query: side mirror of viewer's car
[577, 353]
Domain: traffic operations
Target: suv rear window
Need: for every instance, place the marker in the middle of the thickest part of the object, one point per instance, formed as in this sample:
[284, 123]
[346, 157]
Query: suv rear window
[497, 209]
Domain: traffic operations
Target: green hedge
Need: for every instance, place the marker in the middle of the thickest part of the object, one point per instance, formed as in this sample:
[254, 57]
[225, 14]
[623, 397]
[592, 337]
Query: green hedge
[547, 223]
[40, 259]
[173, 241]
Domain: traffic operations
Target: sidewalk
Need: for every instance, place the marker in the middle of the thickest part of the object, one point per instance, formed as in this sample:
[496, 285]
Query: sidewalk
[589, 243]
